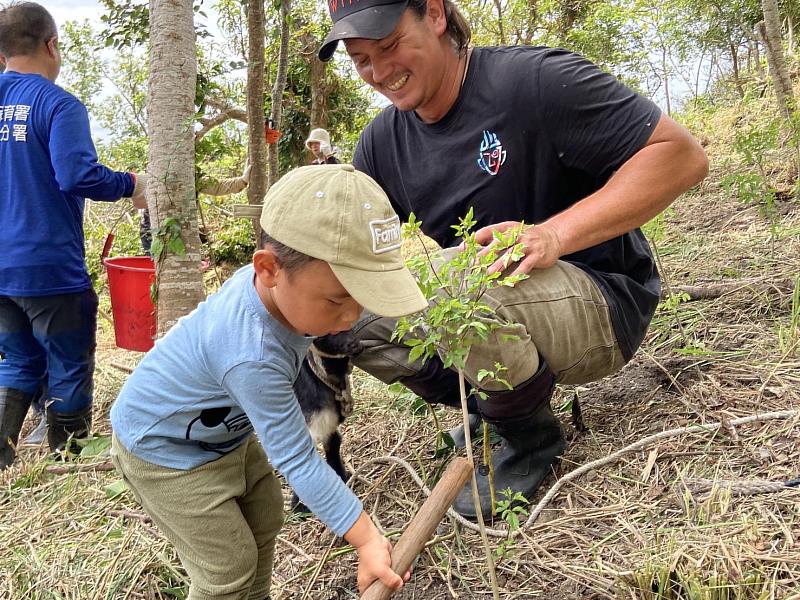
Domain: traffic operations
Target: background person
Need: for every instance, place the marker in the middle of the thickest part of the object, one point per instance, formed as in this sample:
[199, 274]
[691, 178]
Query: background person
[319, 144]
[48, 166]
[523, 133]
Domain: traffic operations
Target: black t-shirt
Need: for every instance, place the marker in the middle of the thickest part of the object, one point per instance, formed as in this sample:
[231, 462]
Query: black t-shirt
[331, 160]
[533, 131]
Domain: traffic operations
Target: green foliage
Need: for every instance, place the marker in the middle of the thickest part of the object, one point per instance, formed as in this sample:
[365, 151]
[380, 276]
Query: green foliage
[128, 24]
[754, 146]
[511, 509]
[789, 334]
[671, 302]
[167, 238]
[232, 242]
[94, 446]
[81, 73]
[458, 316]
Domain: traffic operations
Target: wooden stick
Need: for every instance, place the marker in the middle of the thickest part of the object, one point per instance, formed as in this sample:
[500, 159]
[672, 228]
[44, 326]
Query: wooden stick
[424, 523]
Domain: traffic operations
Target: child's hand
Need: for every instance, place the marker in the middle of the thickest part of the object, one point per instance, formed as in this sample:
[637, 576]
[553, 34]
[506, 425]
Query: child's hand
[375, 562]
[374, 555]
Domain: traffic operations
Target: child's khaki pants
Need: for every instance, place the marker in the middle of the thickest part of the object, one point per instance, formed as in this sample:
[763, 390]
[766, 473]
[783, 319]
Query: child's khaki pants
[223, 517]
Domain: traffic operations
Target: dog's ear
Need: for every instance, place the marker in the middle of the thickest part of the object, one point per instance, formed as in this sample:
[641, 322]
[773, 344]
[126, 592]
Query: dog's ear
[343, 344]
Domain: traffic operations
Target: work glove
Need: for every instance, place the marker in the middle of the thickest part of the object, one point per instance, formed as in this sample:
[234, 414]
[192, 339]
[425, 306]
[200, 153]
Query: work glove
[139, 189]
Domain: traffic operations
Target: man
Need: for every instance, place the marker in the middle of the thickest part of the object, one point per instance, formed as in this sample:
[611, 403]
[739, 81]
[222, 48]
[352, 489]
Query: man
[527, 134]
[48, 165]
[319, 144]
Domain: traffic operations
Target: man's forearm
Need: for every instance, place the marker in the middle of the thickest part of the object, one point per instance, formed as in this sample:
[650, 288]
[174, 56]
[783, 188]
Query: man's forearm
[645, 185]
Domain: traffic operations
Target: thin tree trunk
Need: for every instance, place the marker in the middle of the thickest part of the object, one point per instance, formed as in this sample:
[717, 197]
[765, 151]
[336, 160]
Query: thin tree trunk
[276, 112]
[319, 95]
[171, 190]
[737, 79]
[501, 31]
[770, 32]
[665, 71]
[257, 146]
[757, 59]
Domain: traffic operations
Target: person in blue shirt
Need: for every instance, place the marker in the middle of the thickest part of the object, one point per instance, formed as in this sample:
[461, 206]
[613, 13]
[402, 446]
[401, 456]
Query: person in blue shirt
[188, 421]
[48, 166]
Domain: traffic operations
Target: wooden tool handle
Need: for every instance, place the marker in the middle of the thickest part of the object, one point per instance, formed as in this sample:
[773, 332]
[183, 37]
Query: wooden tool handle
[424, 523]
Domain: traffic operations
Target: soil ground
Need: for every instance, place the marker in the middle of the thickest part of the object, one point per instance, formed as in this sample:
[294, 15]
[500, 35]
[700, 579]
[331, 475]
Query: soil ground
[635, 527]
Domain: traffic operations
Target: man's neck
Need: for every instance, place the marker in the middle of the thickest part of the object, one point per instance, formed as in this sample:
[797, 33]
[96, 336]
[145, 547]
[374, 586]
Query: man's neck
[452, 80]
[28, 65]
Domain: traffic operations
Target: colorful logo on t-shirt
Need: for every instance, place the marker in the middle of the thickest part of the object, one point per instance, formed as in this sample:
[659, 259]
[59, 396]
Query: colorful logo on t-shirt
[492, 155]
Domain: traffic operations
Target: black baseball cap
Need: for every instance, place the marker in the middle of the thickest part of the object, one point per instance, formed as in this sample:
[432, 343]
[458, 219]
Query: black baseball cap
[370, 19]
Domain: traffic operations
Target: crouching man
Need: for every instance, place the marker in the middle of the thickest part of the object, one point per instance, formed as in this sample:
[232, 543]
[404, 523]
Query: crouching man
[538, 135]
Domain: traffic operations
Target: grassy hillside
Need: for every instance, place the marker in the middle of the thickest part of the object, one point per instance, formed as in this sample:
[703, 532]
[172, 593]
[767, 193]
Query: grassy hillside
[639, 526]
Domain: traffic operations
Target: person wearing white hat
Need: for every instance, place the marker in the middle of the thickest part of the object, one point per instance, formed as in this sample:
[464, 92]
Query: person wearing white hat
[319, 144]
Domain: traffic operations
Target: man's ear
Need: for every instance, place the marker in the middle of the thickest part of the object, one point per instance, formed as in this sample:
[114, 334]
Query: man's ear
[437, 16]
[52, 47]
[266, 264]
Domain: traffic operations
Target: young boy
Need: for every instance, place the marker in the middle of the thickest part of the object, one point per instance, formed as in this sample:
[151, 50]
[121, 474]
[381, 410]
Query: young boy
[185, 420]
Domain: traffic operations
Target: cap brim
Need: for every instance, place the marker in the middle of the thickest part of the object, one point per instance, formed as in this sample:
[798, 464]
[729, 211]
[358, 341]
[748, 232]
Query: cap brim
[372, 23]
[383, 293]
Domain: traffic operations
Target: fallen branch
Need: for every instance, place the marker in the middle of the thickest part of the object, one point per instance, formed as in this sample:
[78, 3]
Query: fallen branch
[640, 445]
[595, 464]
[78, 468]
[717, 290]
[130, 514]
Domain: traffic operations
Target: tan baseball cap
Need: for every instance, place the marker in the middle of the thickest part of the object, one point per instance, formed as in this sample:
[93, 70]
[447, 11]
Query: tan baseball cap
[340, 215]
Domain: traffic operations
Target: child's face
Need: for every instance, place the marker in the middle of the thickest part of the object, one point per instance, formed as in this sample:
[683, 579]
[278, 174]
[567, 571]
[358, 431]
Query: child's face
[309, 300]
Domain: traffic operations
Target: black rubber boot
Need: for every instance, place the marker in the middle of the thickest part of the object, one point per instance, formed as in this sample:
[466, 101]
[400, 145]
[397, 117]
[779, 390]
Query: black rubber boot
[457, 432]
[37, 435]
[531, 447]
[14, 405]
[437, 385]
[63, 426]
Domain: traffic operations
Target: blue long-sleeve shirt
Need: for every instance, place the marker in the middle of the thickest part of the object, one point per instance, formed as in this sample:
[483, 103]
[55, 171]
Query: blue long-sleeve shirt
[221, 373]
[48, 166]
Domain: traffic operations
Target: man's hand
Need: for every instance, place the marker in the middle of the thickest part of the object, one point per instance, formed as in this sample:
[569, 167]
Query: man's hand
[540, 245]
[139, 189]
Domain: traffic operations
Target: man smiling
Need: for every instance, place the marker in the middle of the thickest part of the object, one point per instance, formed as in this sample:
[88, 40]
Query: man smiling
[529, 134]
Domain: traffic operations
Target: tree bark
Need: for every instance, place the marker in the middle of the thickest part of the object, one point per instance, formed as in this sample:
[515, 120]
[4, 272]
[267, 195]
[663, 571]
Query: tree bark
[171, 193]
[737, 79]
[319, 93]
[770, 32]
[276, 111]
[257, 150]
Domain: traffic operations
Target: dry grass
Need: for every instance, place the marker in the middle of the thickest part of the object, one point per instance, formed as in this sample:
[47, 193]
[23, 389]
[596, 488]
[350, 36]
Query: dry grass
[626, 530]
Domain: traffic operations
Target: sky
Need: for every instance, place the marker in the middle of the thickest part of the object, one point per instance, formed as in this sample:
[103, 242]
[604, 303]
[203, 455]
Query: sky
[71, 10]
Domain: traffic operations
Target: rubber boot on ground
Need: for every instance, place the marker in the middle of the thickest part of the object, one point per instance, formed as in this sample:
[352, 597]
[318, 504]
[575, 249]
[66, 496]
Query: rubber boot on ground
[62, 427]
[438, 385]
[38, 434]
[532, 442]
[14, 406]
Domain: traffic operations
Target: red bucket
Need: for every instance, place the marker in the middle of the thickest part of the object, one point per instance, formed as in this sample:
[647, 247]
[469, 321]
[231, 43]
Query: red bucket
[129, 281]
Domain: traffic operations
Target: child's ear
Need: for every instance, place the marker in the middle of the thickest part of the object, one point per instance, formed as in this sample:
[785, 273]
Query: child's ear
[267, 266]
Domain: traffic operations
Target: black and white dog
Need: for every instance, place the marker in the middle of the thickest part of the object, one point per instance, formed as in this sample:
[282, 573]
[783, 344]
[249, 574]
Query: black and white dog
[323, 391]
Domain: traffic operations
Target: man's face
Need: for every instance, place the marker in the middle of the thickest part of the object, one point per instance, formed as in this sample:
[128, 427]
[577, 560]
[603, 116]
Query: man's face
[404, 66]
